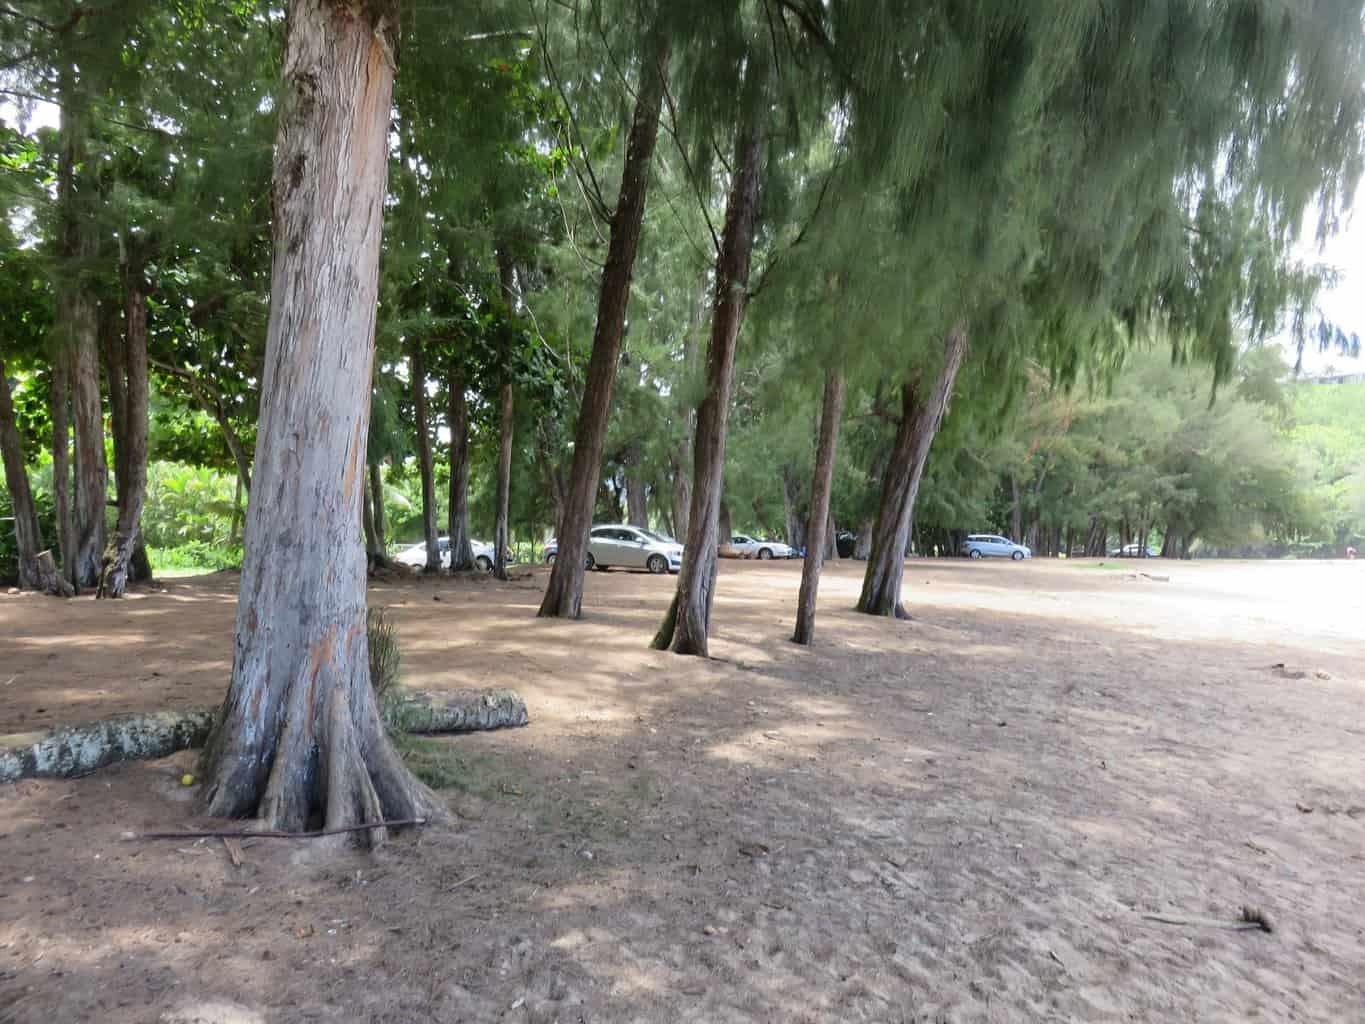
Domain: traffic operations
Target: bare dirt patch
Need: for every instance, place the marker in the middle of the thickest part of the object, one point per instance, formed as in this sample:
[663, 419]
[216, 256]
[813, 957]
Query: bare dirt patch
[964, 817]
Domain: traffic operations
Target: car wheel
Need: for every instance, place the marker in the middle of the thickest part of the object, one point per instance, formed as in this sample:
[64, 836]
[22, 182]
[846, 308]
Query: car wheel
[974, 553]
[764, 554]
[590, 562]
[483, 563]
[657, 564]
[549, 559]
[1018, 556]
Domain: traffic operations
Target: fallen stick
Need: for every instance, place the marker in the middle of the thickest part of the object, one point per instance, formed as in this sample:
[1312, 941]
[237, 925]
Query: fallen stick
[1252, 920]
[73, 751]
[233, 833]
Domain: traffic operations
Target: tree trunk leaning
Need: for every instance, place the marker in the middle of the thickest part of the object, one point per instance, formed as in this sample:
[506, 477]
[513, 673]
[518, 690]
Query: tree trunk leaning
[821, 485]
[424, 458]
[564, 592]
[381, 519]
[300, 735]
[685, 628]
[921, 415]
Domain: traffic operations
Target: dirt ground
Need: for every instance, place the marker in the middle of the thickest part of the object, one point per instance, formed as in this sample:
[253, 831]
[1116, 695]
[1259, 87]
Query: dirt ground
[961, 818]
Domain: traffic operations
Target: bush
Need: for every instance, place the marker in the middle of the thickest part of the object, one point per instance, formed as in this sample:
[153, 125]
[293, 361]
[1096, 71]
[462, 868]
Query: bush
[196, 555]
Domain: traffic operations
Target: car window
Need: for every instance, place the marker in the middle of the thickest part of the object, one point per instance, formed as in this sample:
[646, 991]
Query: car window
[739, 538]
[627, 535]
[601, 532]
[651, 535]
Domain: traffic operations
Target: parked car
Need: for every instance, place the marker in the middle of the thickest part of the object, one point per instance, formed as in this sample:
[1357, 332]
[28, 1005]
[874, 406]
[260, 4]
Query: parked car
[632, 547]
[1134, 551]
[990, 545]
[551, 550]
[415, 555]
[743, 546]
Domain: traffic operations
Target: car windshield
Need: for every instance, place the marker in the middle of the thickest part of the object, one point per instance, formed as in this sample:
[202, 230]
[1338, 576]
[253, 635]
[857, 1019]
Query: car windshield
[657, 538]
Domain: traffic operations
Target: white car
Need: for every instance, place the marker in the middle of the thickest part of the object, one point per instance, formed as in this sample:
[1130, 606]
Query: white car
[415, 555]
[744, 546]
[631, 547]
[990, 545]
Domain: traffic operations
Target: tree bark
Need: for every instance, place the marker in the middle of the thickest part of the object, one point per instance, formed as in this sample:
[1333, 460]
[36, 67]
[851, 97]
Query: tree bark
[564, 592]
[35, 571]
[685, 628]
[501, 533]
[457, 515]
[131, 438]
[92, 473]
[422, 436]
[300, 735]
[921, 416]
[822, 481]
[1016, 511]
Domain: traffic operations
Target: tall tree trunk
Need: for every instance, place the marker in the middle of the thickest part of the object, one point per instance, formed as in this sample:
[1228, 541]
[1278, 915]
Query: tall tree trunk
[637, 497]
[457, 514]
[131, 447]
[422, 436]
[381, 518]
[367, 526]
[501, 533]
[831, 538]
[36, 572]
[60, 401]
[822, 482]
[299, 735]
[684, 629]
[564, 592]
[1016, 511]
[794, 525]
[77, 327]
[507, 276]
[921, 416]
[92, 474]
[682, 486]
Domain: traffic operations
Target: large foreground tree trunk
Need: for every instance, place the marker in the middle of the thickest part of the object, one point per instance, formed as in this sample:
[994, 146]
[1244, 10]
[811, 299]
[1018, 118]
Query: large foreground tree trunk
[684, 629]
[300, 738]
[821, 525]
[130, 436]
[457, 514]
[921, 414]
[425, 467]
[564, 592]
[36, 568]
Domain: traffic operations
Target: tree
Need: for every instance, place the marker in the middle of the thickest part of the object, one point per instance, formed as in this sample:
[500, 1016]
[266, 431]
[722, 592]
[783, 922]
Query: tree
[685, 627]
[300, 731]
[822, 480]
[564, 592]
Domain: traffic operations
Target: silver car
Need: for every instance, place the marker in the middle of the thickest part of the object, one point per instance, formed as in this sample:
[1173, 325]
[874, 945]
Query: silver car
[990, 545]
[631, 547]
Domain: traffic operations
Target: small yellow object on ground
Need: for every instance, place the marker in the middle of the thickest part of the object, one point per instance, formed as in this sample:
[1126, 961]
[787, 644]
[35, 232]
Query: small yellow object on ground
[187, 779]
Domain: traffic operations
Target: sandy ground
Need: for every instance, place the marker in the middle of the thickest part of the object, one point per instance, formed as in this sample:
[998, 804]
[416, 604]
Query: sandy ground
[960, 818]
